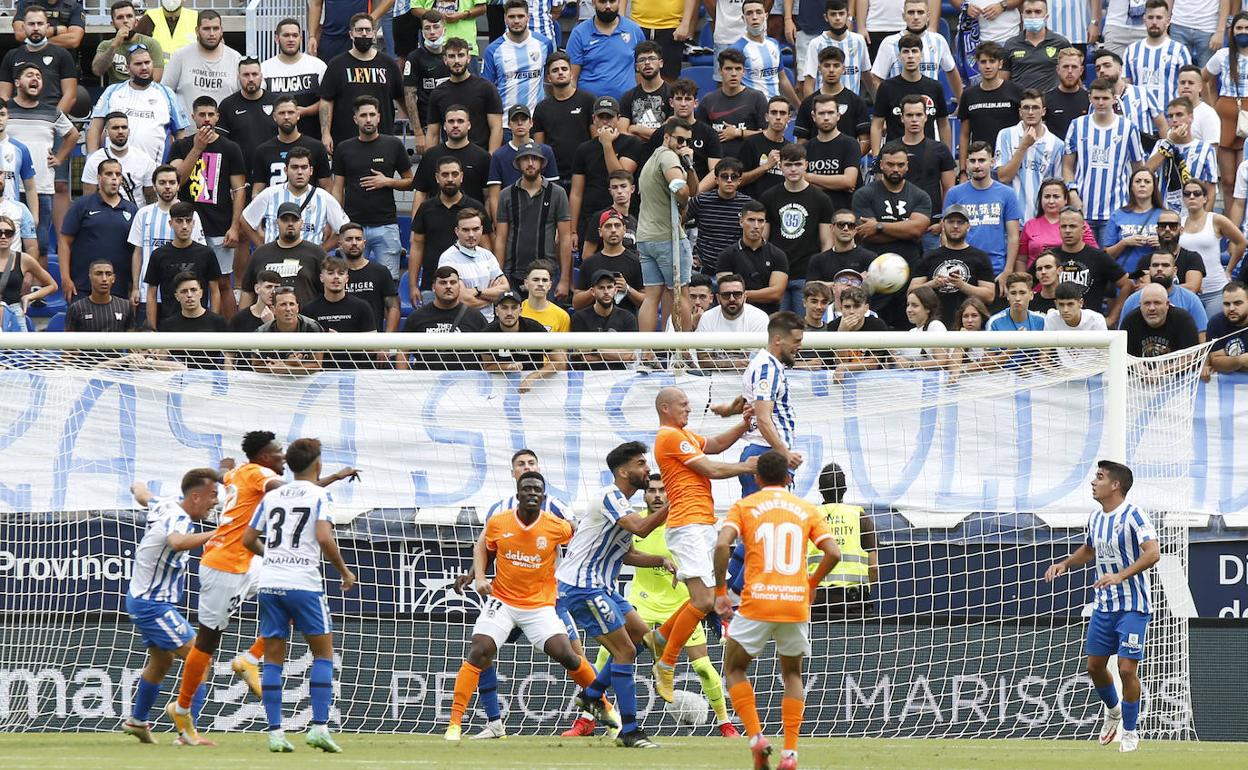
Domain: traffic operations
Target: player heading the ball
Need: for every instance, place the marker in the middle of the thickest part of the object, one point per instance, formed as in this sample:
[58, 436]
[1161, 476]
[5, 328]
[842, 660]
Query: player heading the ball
[156, 586]
[775, 526]
[1122, 540]
[296, 522]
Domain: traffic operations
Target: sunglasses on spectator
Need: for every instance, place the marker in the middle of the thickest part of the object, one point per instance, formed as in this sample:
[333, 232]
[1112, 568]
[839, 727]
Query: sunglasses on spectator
[137, 47]
[846, 280]
[6, 233]
[729, 177]
[732, 294]
[1167, 225]
[1193, 193]
[844, 224]
[681, 140]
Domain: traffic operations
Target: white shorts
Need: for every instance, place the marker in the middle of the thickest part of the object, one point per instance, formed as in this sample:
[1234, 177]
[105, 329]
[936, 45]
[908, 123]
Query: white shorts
[792, 639]
[693, 547]
[222, 593]
[498, 619]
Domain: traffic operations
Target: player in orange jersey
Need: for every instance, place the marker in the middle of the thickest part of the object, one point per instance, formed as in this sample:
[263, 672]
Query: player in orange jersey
[687, 473]
[524, 543]
[228, 574]
[775, 526]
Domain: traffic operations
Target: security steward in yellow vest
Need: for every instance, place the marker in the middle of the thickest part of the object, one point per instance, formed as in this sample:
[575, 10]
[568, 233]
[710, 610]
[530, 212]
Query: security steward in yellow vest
[847, 588]
[171, 23]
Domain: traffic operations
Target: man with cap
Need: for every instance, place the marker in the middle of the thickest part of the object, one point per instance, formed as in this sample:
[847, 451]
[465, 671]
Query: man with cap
[297, 261]
[534, 220]
[536, 364]
[504, 170]
[614, 258]
[956, 270]
[607, 151]
[482, 282]
[603, 316]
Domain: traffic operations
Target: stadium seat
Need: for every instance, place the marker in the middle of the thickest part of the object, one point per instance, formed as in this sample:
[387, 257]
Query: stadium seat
[706, 39]
[56, 323]
[787, 57]
[405, 296]
[704, 77]
[942, 27]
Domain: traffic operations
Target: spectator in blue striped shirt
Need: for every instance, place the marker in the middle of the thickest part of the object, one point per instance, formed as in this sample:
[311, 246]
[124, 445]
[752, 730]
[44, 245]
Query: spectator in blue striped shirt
[1136, 104]
[1154, 62]
[516, 62]
[1180, 157]
[1102, 151]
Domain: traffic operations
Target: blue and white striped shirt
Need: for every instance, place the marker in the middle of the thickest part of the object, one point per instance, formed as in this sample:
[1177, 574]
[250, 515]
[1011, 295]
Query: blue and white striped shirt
[857, 59]
[1156, 68]
[1042, 161]
[1118, 537]
[936, 56]
[517, 69]
[764, 380]
[1103, 166]
[1139, 106]
[17, 167]
[1220, 65]
[160, 571]
[322, 210]
[1201, 162]
[542, 23]
[553, 506]
[149, 230]
[762, 65]
[1070, 19]
[598, 546]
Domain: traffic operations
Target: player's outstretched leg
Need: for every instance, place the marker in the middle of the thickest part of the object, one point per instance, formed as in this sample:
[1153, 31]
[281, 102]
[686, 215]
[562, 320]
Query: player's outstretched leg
[193, 690]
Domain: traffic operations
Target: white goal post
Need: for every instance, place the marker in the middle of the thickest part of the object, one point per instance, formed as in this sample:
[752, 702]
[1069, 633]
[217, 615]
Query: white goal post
[971, 453]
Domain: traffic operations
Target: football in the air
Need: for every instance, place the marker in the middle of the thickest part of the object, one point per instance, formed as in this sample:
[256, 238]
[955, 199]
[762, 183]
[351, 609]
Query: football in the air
[689, 708]
[887, 273]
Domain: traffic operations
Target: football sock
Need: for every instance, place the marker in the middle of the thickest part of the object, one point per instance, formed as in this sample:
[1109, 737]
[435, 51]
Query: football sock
[791, 715]
[602, 681]
[465, 685]
[742, 695]
[255, 652]
[1130, 714]
[584, 674]
[145, 695]
[197, 702]
[193, 673]
[271, 693]
[682, 629]
[321, 689]
[487, 692]
[626, 695]
[665, 630]
[1108, 694]
[712, 687]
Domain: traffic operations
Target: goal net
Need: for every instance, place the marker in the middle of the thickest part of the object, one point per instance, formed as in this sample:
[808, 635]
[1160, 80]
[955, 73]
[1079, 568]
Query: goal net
[972, 456]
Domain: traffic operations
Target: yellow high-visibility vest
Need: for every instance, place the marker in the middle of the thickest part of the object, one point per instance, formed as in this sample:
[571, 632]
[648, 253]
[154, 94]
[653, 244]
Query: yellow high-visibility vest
[845, 523]
[183, 33]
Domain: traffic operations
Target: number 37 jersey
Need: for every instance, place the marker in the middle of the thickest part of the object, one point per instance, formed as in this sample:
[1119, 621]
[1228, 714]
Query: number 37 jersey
[775, 526]
[287, 518]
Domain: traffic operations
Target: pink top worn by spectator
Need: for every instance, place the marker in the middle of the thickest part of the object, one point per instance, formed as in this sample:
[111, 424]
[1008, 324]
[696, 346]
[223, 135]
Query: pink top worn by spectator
[1040, 234]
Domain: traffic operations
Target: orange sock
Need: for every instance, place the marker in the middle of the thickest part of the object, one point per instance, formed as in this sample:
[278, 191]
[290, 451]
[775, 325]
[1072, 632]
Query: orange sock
[791, 714]
[193, 672]
[257, 649]
[742, 695]
[584, 675]
[682, 629]
[665, 630]
[465, 685]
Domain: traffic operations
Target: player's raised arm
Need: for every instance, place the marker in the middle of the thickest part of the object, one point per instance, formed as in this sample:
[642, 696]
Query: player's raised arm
[142, 495]
[345, 473]
[329, 547]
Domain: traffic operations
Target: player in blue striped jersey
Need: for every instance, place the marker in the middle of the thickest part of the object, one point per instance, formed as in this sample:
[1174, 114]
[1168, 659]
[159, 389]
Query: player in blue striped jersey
[1028, 153]
[1154, 62]
[516, 62]
[763, 69]
[765, 386]
[1180, 157]
[1124, 544]
[322, 213]
[160, 561]
[588, 576]
[1102, 149]
[1135, 103]
[936, 57]
[150, 229]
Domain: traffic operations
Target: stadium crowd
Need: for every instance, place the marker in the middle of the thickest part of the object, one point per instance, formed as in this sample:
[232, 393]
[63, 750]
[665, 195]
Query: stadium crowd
[1047, 165]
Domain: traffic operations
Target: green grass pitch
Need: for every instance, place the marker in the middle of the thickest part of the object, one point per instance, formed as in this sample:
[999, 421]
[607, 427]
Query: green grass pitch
[41, 751]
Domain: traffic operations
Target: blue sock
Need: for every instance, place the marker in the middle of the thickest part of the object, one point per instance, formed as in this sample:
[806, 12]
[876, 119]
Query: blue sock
[487, 693]
[271, 693]
[601, 682]
[1108, 694]
[625, 695]
[1130, 714]
[197, 701]
[145, 695]
[321, 681]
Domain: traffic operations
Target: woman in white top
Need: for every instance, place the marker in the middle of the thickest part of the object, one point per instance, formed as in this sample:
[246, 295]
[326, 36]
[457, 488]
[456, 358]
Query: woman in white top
[1203, 233]
[922, 310]
[971, 316]
[1226, 74]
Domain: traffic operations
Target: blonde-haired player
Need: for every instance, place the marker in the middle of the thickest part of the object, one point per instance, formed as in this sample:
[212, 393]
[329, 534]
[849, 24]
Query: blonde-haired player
[775, 526]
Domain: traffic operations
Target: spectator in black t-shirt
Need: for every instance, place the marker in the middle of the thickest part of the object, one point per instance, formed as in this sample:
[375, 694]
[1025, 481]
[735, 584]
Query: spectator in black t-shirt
[361, 70]
[760, 153]
[717, 214]
[832, 156]
[563, 118]
[369, 280]
[268, 160]
[1069, 99]
[1047, 277]
[1156, 328]
[593, 163]
[887, 123]
[646, 106]
[259, 312]
[956, 270]
[763, 264]
[336, 310]
[800, 219]
[1091, 268]
[990, 106]
[932, 166]
[474, 161]
[213, 176]
[100, 311]
[247, 114]
[624, 201]
[538, 364]
[475, 93]
[845, 253]
[444, 314]
[853, 315]
[176, 258]
[615, 258]
[424, 69]
[287, 319]
[733, 110]
[433, 227]
[854, 117]
[707, 149]
[290, 256]
[603, 316]
[1229, 329]
[193, 317]
[364, 181]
